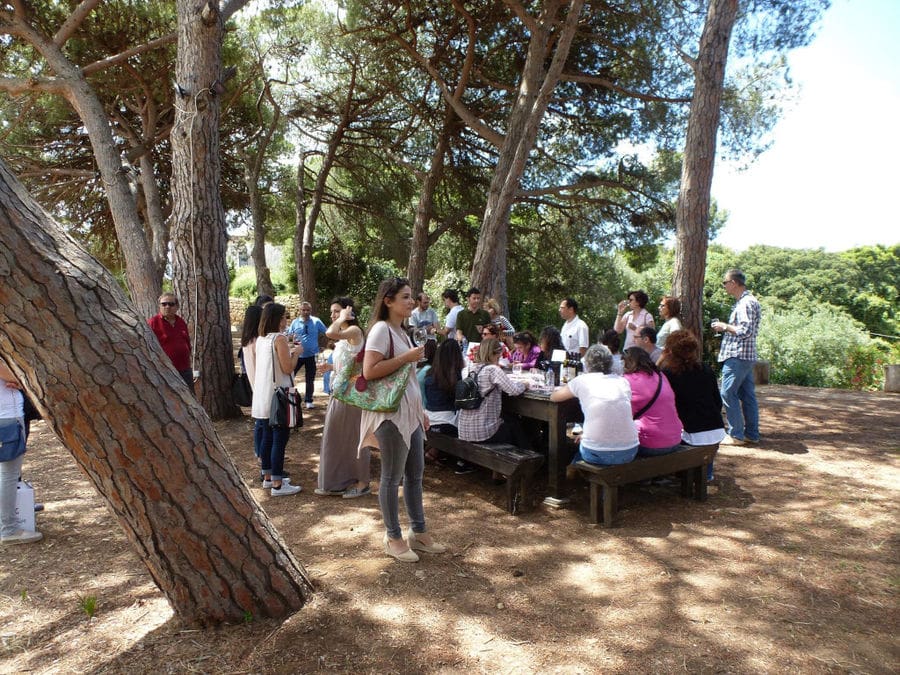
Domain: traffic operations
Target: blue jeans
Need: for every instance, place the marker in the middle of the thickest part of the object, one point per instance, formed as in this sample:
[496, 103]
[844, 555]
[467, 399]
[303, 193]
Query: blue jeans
[739, 398]
[269, 444]
[9, 479]
[309, 363]
[644, 451]
[401, 462]
[605, 458]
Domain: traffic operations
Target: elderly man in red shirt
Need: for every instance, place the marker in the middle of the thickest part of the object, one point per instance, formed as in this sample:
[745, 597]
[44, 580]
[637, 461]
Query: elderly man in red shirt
[172, 333]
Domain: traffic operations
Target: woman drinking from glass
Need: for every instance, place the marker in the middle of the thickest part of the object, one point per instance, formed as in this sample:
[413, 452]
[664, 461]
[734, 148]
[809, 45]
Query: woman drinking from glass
[398, 435]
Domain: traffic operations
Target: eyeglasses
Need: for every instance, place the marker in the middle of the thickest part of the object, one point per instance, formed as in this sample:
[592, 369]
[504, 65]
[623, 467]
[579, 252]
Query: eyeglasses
[168, 304]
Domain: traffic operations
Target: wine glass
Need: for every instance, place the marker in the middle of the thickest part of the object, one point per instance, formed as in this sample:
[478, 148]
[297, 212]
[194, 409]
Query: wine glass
[420, 337]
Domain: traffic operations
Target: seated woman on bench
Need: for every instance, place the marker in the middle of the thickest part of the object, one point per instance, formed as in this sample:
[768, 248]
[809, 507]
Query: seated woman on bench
[652, 405]
[609, 436]
[438, 394]
[697, 395]
[484, 424]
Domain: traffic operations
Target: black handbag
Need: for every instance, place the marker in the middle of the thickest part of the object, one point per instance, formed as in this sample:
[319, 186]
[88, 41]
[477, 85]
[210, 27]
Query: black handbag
[241, 391]
[284, 410]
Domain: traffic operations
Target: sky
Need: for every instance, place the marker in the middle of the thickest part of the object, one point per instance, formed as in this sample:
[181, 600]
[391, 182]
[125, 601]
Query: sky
[831, 178]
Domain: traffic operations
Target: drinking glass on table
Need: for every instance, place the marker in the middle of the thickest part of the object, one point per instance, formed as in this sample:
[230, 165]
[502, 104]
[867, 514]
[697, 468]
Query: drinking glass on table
[517, 369]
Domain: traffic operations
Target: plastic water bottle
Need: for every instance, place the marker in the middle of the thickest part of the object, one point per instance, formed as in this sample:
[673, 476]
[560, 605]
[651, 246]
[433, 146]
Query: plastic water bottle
[549, 379]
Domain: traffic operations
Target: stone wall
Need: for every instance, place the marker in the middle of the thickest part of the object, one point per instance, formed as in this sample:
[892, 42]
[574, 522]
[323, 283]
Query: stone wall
[237, 307]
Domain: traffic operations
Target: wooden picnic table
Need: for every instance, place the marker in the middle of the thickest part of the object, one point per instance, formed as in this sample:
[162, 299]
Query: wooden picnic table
[537, 405]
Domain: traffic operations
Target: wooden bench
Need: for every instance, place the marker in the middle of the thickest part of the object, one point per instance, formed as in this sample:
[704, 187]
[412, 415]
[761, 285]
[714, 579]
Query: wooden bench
[518, 466]
[690, 464]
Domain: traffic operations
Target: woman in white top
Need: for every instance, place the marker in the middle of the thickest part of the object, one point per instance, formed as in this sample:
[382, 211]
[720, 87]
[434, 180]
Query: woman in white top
[343, 469]
[636, 318]
[610, 435]
[669, 311]
[12, 422]
[398, 435]
[275, 360]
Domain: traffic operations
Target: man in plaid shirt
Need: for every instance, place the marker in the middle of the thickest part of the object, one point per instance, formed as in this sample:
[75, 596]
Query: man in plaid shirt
[737, 356]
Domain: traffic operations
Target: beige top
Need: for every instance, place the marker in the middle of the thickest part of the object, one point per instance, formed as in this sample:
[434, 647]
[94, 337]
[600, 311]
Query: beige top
[410, 414]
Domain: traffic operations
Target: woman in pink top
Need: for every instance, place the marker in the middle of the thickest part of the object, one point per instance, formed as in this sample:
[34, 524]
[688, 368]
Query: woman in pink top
[652, 405]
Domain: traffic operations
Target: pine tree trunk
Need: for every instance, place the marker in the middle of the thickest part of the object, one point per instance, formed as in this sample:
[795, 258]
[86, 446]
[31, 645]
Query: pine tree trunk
[258, 252]
[199, 270]
[108, 391]
[538, 82]
[418, 252]
[306, 278]
[142, 275]
[692, 209]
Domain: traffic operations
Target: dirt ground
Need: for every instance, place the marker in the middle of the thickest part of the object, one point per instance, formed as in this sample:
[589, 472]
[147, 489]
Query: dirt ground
[790, 566]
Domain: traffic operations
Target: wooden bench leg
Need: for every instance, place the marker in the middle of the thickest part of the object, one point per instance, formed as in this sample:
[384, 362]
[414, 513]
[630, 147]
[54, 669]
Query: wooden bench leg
[700, 491]
[610, 503]
[687, 480]
[512, 483]
[595, 502]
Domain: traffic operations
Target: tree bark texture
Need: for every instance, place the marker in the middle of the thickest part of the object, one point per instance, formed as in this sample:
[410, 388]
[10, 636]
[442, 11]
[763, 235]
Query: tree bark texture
[692, 209]
[105, 387]
[143, 276]
[539, 79]
[199, 270]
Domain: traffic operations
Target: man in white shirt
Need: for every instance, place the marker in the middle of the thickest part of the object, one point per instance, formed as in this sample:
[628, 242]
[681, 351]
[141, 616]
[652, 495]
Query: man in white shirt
[575, 334]
[423, 316]
[451, 302]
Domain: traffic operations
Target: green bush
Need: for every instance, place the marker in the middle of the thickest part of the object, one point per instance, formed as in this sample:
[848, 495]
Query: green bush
[819, 346]
[243, 285]
[866, 362]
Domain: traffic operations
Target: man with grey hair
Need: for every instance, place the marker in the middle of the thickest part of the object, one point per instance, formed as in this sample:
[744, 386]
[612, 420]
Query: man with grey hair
[737, 356]
[609, 435]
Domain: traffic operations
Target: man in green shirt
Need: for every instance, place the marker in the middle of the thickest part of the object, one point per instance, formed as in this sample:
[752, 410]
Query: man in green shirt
[470, 320]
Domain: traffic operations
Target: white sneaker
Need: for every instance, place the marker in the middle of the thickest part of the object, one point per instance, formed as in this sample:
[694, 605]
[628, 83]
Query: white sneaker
[286, 489]
[268, 483]
[309, 405]
[22, 537]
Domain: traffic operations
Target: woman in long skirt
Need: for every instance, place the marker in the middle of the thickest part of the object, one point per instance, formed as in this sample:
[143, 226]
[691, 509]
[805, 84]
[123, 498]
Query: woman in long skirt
[343, 470]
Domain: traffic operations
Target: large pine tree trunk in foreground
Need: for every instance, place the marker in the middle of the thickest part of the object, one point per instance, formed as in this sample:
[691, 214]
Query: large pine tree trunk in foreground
[112, 396]
[692, 209]
[199, 270]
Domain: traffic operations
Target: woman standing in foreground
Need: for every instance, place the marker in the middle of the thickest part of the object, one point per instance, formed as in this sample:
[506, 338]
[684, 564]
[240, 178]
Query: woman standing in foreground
[343, 469]
[400, 434]
[12, 423]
